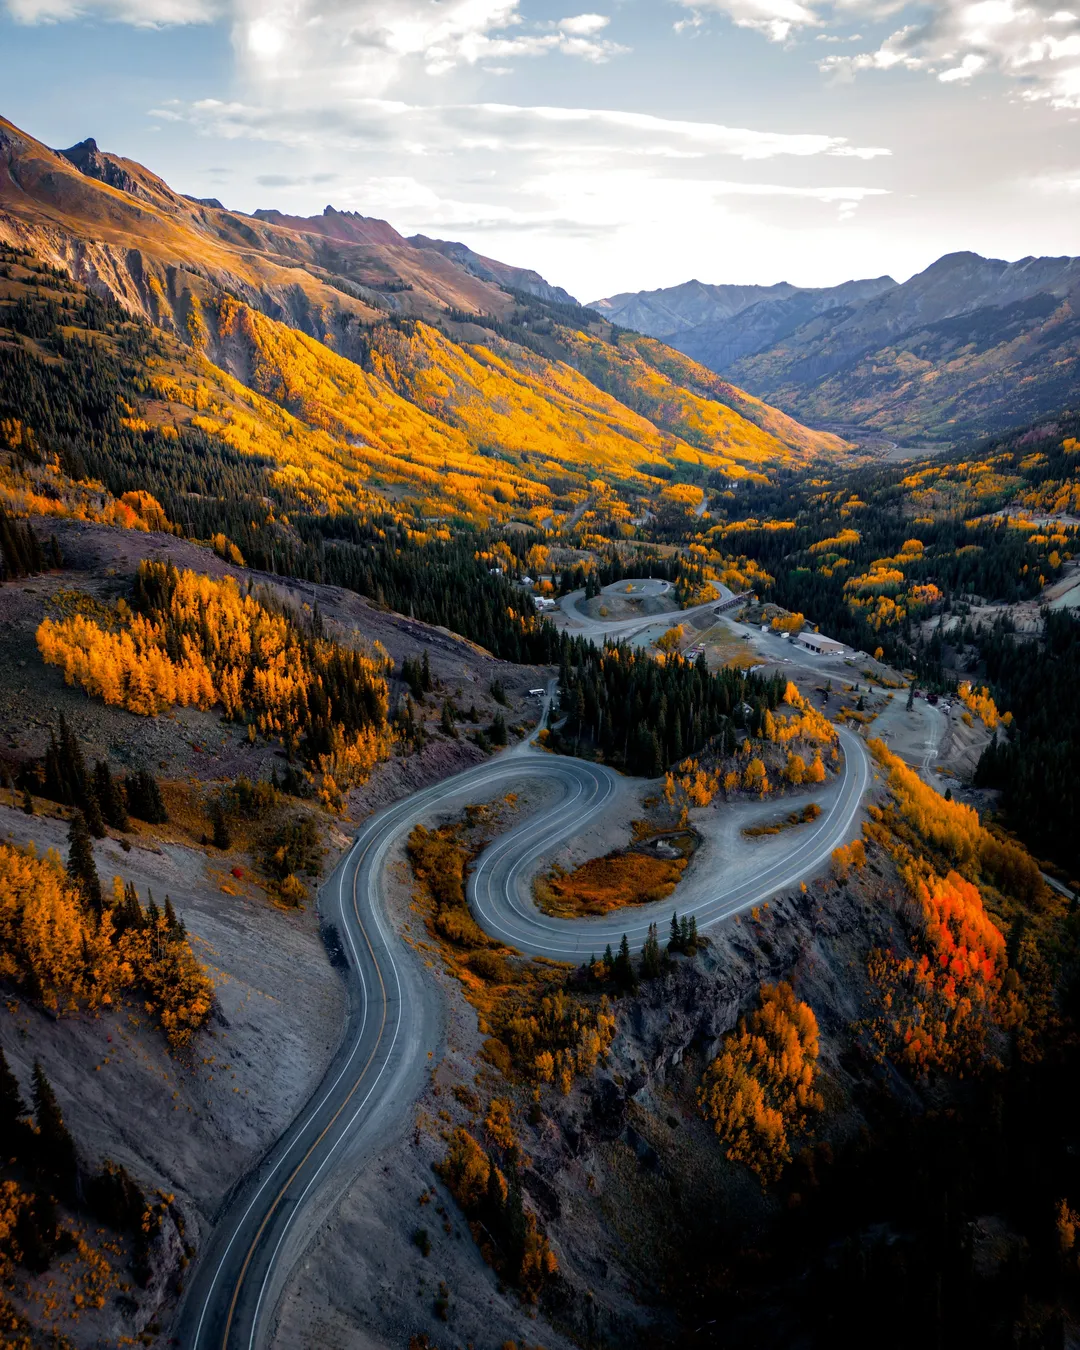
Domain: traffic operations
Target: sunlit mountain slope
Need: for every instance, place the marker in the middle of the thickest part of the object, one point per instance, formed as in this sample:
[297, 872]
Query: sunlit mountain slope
[364, 366]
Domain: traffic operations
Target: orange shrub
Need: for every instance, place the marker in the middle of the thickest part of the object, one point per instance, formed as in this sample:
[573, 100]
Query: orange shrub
[612, 882]
[848, 856]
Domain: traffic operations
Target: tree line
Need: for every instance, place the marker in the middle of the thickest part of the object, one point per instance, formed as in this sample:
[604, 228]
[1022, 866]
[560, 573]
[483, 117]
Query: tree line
[642, 715]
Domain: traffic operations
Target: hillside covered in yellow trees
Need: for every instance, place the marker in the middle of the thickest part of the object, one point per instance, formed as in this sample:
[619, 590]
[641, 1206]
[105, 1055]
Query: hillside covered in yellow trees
[399, 382]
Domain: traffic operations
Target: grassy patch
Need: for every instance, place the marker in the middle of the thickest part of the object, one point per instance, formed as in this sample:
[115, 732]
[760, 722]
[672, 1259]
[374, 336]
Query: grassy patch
[636, 876]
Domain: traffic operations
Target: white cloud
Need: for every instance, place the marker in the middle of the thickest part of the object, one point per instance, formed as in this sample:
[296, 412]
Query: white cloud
[616, 181]
[333, 46]
[329, 46]
[1055, 185]
[140, 13]
[1032, 42]
[594, 134]
[775, 18]
[584, 25]
[966, 70]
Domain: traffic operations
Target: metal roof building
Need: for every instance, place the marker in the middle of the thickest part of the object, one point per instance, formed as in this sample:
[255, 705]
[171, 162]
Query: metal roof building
[824, 646]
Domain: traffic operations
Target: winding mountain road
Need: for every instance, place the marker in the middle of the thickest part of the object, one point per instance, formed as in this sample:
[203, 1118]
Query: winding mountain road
[623, 629]
[392, 1024]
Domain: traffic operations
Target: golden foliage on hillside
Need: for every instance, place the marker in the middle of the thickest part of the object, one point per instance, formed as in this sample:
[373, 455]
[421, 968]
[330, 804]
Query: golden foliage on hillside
[978, 701]
[679, 393]
[942, 1008]
[537, 1031]
[481, 1189]
[759, 1092]
[44, 489]
[198, 642]
[67, 958]
[481, 431]
[695, 784]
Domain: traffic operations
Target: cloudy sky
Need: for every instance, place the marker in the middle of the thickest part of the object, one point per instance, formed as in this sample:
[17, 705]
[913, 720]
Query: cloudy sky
[629, 144]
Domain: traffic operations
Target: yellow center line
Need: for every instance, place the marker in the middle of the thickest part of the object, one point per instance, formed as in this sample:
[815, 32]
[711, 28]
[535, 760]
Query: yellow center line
[292, 1176]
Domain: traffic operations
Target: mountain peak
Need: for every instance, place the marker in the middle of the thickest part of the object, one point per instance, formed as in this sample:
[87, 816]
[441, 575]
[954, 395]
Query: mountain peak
[347, 226]
[123, 174]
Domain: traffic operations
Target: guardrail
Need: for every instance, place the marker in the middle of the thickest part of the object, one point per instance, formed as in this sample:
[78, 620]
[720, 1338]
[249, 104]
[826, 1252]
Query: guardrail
[730, 604]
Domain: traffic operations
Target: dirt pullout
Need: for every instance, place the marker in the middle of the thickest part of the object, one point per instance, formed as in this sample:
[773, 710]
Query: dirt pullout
[614, 605]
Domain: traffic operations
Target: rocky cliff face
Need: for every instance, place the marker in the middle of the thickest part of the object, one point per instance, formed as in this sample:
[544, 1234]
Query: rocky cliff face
[631, 1182]
[123, 175]
[346, 226]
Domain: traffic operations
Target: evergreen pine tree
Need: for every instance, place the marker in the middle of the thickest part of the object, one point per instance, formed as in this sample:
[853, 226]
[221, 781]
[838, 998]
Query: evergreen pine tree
[13, 1110]
[624, 967]
[222, 838]
[80, 864]
[72, 765]
[66, 779]
[446, 722]
[109, 796]
[650, 955]
[128, 914]
[425, 675]
[53, 786]
[609, 962]
[498, 730]
[54, 1145]
[37, 1233]
[113, 1197]
[176, 924]
[153, 914]
[674, 939]
[514, 1227]
[144, 799]
[27, 802]
[92, 811]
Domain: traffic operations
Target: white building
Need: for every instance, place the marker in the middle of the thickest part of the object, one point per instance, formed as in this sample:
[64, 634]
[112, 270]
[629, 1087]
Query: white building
[824, 646]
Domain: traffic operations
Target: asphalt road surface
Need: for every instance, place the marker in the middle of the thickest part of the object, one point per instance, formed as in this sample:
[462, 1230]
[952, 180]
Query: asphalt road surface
[599, 629]
[393, 1015]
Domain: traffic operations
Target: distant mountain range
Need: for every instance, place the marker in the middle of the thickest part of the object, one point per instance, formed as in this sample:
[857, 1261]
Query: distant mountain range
[722, 323]
[970, 346]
